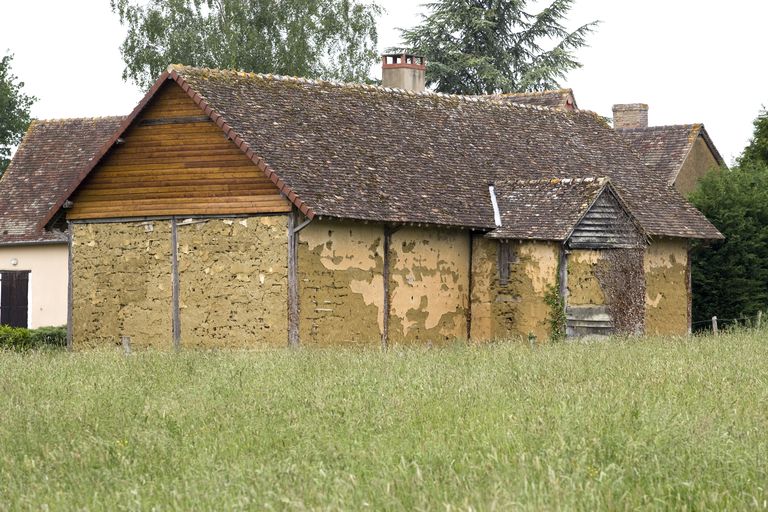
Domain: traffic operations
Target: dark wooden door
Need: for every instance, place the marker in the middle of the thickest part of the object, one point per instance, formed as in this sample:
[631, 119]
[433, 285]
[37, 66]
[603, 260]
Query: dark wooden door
[14, 293]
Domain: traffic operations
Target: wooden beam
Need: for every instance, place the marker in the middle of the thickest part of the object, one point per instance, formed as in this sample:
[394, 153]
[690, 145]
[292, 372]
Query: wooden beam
[385, 275]
[175, 288]
[563, 278]
[175, 120]
[70, 294]
[469, 289]
[293, 280]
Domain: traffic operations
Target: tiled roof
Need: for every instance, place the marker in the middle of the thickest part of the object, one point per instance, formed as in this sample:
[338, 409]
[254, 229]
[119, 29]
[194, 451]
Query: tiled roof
[544, 209]
[45, 164]
[372, 153]
[559, 98]
[664, 148]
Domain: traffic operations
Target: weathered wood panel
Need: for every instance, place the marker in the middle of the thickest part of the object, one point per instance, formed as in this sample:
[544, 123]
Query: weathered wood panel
[588, 321]
[174, 162]
[606, 225]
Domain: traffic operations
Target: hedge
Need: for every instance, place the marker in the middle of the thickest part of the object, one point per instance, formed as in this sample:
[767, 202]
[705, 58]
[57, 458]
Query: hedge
[18, 338]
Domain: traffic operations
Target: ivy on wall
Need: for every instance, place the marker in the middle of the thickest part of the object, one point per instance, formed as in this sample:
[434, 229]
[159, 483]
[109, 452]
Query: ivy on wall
[622, 278]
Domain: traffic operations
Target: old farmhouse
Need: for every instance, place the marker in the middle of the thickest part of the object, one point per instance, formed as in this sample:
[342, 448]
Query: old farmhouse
[683, 153]
[33, 260]
[235, 209]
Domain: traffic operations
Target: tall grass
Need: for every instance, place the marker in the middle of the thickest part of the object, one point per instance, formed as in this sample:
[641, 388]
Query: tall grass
[654, 424]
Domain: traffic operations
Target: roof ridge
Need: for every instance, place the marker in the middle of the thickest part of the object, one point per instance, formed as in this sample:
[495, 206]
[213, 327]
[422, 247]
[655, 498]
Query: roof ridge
[556, 181]
[494, 100]
[537, 93]
[661, 127]
[69, 119]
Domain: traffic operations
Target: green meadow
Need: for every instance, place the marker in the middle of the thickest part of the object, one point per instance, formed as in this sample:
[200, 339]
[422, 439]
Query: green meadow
[660, 424]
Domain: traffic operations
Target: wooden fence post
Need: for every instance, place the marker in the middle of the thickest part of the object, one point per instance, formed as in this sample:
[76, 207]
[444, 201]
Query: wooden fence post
[126, 341]
[759, 318]
[714, 325]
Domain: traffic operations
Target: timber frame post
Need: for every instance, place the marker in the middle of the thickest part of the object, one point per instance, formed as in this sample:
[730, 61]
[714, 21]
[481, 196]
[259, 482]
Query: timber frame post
[294, 227]
[562, 279]
[70, 294]
[470, 285]
[175, 288]
[389, 230]
[293, 284]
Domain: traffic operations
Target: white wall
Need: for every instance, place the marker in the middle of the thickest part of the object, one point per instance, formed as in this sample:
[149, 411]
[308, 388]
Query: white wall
[47, 280]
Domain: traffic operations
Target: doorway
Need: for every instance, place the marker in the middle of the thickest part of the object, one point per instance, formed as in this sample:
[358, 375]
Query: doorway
[14, 298]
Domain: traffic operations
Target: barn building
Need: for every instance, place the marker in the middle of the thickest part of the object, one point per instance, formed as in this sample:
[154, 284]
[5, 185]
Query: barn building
[236, 209]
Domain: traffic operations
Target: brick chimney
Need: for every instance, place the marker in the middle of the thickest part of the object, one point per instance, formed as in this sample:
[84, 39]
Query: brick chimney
[632, 115]
[403, 71]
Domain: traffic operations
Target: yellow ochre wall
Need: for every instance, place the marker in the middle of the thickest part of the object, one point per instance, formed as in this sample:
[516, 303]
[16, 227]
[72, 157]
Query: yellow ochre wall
[583, 286]
[699, 162]
[519, 308]
[341, 287]
[429, 285]
[233, 282]
[666, 287]
[121, 284]
[47, 264]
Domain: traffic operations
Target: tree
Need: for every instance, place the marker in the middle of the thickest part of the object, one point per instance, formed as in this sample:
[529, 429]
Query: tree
[492, 46]
[333, 39]
[14, 111]
[757, 150]
[730, 278]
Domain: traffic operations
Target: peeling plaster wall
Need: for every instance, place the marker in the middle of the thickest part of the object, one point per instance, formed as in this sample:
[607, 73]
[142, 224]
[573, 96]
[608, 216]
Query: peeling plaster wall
[233, 277]
[429, 285]
[341, 287]
[666, 283]
[583, 286]
[519, 308]
[699, 162]
[485, 281]
[121, 279]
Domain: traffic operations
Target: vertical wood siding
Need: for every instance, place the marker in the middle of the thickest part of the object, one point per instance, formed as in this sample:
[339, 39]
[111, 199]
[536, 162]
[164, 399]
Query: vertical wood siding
[174, 161]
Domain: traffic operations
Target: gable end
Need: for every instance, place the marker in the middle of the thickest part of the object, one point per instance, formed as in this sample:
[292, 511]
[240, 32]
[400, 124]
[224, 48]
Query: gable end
[606, 225]
[174, 161]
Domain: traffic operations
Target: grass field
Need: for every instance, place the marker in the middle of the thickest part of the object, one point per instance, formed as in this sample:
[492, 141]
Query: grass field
[654, 424]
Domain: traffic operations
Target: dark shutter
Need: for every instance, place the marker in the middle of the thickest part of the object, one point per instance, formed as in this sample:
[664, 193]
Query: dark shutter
[14, 292]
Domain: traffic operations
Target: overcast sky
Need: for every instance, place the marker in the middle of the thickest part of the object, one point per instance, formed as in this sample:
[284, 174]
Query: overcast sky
[690, 60]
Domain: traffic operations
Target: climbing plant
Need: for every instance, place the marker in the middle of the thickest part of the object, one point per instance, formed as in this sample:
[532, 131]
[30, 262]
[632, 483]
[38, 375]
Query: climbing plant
[621, 276]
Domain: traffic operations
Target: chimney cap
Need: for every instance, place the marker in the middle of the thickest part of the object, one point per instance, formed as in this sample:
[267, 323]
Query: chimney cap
[623, 107]
[403, 60]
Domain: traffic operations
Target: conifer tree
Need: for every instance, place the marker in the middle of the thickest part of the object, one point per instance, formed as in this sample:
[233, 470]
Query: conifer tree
[493, 46]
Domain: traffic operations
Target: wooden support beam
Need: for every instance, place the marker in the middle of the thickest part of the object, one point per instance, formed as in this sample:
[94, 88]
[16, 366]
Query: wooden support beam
[469, 289]
[562, 268]
[385, 275]
[293, 279]
[175, 289]
[175, 120]
[70, 294]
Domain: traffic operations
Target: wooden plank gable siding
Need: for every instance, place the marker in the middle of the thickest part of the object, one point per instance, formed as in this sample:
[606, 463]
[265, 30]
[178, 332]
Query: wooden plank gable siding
[174, 161]
[606, 225]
